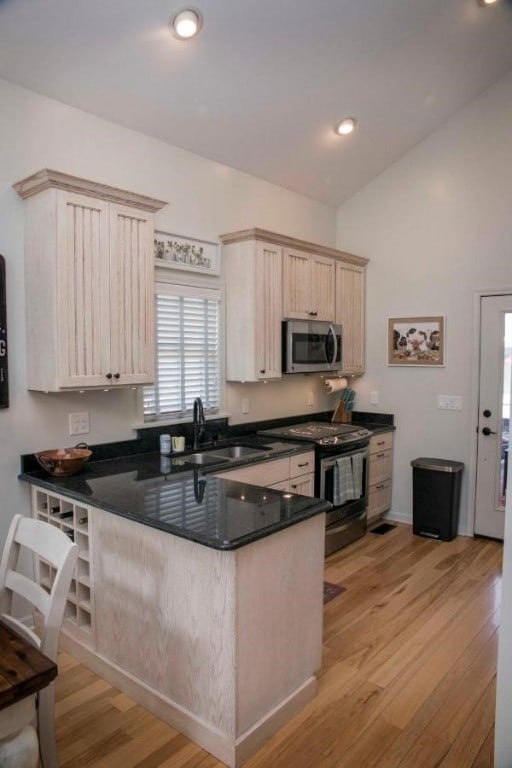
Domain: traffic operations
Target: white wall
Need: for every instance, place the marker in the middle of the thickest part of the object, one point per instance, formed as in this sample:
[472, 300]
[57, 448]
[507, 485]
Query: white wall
[205, 199]
[437, 226]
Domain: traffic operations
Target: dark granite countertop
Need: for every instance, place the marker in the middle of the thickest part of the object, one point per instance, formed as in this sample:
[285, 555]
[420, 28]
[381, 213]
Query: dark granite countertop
[168, 494]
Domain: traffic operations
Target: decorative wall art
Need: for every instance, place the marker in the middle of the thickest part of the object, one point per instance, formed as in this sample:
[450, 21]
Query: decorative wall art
[416, 341]
[4, 379]
[188, 253]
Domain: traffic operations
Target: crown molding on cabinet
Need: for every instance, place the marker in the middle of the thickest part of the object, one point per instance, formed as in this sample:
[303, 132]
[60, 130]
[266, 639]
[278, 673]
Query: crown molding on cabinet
[47, 178]
[291, 242]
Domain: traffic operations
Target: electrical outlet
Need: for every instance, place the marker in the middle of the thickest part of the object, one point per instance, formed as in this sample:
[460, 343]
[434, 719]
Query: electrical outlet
[449, 402]
[245, 405]
[79, 423]
[374, 397]
[311, 399]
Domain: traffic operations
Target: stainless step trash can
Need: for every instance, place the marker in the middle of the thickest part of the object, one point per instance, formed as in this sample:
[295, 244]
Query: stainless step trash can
[436, 497]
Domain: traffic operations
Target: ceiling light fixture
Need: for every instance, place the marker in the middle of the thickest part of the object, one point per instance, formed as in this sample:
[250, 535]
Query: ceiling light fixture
[346, 126]
[186, 24]
[486, 2]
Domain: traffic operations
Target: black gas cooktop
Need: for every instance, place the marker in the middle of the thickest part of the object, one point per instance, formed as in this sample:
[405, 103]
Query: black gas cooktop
[320, 432]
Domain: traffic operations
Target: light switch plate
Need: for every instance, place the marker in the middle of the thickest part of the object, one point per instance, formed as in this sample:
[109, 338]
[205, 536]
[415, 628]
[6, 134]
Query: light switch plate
[245, 405]
[449, 402]
[374, 397]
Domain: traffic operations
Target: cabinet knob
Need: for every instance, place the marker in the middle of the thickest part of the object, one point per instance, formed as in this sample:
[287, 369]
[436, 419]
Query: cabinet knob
[294, 486]
[262, 370]
[313, 314]
[117, 375]
[108, 376]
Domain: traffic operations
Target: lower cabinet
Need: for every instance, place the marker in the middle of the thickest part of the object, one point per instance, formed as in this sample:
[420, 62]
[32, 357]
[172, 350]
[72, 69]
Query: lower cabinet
[381, 470]
[296, 474]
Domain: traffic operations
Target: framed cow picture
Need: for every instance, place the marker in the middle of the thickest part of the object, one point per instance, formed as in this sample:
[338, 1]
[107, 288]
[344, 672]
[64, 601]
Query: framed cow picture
[416, 341]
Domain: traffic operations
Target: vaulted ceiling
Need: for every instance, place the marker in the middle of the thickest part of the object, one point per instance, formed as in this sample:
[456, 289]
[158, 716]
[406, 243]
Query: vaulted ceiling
[264, 83]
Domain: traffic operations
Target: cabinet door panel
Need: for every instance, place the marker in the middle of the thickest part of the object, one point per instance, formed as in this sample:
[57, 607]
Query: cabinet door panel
[269, 289]
[297, 285]
[132, 312]
[379, 499]
[304, 485]
[82, 290]
[322, 281]
[284, 485]
[381, 466]
[350, 314]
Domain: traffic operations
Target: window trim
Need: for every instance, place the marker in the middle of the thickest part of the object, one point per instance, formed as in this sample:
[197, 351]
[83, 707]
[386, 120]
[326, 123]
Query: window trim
[203, 287]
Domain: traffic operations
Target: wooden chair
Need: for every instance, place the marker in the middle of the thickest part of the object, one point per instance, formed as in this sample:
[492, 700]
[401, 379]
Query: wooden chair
[47, 542]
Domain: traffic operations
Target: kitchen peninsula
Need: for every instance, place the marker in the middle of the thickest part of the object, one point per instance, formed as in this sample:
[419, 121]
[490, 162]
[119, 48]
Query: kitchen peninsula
[198, 596]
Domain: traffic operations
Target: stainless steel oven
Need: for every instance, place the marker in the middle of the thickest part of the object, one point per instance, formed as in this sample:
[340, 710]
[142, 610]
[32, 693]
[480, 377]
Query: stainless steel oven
[342, 479]
[341, 475]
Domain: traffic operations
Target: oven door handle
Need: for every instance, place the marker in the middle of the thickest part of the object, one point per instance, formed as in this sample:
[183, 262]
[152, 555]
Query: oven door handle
[328, 463]
[346, 524]
[335, 340]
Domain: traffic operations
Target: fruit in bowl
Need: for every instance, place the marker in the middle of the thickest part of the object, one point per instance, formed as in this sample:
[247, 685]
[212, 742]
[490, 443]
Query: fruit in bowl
[62, 462]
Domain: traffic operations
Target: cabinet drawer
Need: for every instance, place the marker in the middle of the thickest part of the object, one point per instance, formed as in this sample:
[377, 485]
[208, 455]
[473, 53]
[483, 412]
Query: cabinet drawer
[302, 464]
[265, 474]
[379, 499]
[381, 442]
[381, 466]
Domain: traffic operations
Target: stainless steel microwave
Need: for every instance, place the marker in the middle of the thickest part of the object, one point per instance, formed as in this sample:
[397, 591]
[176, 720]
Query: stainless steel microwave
[311, 345]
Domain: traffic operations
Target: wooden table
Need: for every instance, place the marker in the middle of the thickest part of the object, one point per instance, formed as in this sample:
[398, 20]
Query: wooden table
[24, 670]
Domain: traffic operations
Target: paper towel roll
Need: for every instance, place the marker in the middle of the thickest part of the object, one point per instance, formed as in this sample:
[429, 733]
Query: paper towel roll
[334, 385]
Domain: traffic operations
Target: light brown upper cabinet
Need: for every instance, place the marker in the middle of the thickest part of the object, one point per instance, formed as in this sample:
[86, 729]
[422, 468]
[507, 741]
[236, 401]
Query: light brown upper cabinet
[89, 277]
[270, 277]
[253, 274]
[350, 314]
[308, 286]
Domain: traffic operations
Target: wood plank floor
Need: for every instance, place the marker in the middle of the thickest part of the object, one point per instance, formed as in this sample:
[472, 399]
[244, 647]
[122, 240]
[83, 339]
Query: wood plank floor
[408, 674]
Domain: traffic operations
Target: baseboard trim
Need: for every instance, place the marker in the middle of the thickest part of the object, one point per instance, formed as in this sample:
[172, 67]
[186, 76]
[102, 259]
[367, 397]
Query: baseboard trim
[233, 752]
[264, 729]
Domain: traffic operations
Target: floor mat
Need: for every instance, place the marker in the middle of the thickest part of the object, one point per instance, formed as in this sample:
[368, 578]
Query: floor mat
[332, 590]
[383, 528]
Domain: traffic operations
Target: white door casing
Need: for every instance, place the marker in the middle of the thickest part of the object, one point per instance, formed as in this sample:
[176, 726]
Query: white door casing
[489, 504]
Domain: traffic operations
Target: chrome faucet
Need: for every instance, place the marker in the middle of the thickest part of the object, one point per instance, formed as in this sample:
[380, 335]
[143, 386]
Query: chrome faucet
[198, 423]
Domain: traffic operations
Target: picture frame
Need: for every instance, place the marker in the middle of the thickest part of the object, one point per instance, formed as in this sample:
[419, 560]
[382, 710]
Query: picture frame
[417, 341]
[186, 253]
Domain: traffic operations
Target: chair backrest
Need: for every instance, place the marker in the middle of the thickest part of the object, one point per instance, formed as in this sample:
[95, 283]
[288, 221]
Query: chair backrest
[49, 543]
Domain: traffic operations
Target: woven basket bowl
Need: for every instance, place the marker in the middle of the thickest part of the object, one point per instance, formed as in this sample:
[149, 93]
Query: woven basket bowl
[63, 461]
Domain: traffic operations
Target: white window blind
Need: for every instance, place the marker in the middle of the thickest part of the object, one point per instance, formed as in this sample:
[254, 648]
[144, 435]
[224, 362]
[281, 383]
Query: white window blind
[186, 351]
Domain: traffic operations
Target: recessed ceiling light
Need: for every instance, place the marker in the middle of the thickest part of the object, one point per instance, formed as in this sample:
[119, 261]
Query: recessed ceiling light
[487, 2]
[346, 126]
[186, 23]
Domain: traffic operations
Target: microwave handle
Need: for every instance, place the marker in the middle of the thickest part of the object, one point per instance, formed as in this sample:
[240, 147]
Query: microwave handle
[334, 338]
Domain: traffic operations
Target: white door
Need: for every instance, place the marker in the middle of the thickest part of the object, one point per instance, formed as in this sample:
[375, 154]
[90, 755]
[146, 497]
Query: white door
[493, 414]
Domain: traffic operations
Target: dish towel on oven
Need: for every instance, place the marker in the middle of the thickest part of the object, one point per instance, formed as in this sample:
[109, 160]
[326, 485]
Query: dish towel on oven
[343, 481]
[357, 475]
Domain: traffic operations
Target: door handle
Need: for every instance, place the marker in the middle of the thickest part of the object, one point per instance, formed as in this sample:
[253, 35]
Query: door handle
[335, 340]
[486, 431]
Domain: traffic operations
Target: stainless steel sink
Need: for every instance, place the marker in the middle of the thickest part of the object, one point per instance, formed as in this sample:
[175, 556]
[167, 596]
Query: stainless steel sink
[203, 458]
[237, 451]
[212, 456]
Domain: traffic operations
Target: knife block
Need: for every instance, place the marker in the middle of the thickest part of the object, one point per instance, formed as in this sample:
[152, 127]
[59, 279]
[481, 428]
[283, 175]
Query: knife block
[341, 414]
